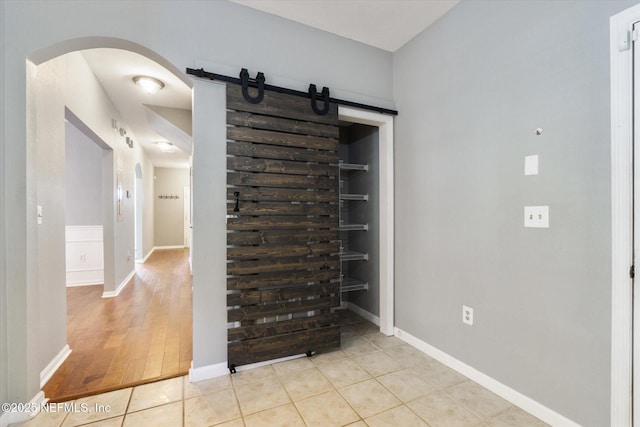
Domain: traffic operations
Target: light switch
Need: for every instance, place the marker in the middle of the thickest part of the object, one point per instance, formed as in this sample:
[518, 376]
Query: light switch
[39, 213]
[536, 216]
[531, 165]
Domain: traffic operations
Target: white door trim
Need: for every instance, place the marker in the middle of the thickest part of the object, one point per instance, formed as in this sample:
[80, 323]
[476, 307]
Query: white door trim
[621, 214]
[384, 123]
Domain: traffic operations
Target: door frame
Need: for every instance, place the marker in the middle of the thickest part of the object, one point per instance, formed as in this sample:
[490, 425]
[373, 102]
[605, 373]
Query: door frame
[138, 206]
[621, 59]
[186, 216]
[384, 123]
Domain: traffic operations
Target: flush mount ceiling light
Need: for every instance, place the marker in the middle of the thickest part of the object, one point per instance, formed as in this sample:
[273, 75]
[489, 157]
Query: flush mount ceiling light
[148, 84]
[165, 146]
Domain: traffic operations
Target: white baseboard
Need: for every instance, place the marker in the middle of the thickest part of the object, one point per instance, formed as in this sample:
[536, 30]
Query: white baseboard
[77, 285]
[84, 277]
[206, 372]
[363, 313]
[533, 407]
[9, 419]
[53, 366]
[111, 294]
[159, 248]
[143, 260]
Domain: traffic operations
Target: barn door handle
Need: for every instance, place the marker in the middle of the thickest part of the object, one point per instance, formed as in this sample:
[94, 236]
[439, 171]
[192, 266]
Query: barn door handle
[314, 102]
[244, 77]
[236, 194]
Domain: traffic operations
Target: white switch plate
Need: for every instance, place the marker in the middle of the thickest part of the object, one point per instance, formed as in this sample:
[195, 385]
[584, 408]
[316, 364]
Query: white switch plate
[531, 165]
[467, 315]
[39, 214]
[536, 216]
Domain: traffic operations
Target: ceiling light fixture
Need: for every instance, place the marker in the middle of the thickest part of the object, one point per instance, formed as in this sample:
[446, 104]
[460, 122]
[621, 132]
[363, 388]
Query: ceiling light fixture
[148, 84]
[165, 146]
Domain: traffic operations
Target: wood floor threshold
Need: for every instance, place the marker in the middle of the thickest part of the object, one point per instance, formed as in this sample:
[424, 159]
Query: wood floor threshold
[115, 387]
[141, 336]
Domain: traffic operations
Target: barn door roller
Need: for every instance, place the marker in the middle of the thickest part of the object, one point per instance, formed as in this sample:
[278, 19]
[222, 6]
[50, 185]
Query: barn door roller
[314, 96]
[259, 80]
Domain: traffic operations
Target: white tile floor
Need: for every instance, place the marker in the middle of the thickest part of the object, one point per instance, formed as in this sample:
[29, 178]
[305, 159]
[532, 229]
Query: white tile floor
[373, 380]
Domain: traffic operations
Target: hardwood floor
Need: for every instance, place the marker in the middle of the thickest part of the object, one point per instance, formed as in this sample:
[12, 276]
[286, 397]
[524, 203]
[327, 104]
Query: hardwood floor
[142, 335]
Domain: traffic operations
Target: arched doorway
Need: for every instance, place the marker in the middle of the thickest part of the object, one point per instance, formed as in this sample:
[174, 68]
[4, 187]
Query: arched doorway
[60, 79]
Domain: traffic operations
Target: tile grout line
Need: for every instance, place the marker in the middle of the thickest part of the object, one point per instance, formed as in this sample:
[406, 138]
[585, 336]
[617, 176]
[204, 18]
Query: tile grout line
[293, 402]
[335, 388]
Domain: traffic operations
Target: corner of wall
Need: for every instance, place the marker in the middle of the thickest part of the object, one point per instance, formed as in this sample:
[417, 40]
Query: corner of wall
[209, 224]
[3, 180]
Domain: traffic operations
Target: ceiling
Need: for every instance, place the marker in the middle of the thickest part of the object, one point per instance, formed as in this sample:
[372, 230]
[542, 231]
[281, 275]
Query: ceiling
[151, 118]
[166, 115]
[385, 24]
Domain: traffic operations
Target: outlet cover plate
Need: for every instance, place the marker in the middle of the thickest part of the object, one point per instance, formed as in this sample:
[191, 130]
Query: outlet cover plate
[467, 315]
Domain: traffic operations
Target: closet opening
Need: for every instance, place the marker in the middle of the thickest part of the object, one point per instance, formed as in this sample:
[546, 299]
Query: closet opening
[366, 217]
[359, 220]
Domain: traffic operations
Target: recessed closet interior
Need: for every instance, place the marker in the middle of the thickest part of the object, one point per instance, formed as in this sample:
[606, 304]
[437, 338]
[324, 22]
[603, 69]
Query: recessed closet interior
[359, 218]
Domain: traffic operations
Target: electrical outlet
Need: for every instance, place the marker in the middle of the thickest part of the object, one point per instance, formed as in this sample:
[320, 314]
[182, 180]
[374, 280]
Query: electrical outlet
[467, 315]
[129, 256]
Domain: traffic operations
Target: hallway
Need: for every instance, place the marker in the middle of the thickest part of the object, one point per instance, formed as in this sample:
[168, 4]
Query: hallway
[142, 335]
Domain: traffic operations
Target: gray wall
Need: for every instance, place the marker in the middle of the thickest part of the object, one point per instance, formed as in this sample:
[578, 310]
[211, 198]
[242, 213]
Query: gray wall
[3, 278]
[169, 213]
[209, 245]
[170, 31]
[471, 90]
[83, 178]
[148, 207]
[49, 125]
[362, 148]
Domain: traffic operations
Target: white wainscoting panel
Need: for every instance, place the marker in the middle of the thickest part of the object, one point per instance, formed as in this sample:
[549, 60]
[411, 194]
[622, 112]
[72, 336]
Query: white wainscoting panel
[85, 257]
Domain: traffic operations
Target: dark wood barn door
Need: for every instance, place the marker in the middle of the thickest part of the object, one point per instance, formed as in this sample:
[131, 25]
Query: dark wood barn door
[282, 191]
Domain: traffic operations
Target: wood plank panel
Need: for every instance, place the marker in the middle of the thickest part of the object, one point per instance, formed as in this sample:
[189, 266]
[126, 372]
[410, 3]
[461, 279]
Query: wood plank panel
[253, 312]
[257, 121]
[282, 164]
[249, 164]
[284, 153]
[283, 223]
[281, 139]
[282, 195]
[280, 251]
[283, 327]
[282, 264]
[280, 105]
[280, 237]
[282, 209]
[261, 349]
[279, 180]
[281, 279]
[281, 294]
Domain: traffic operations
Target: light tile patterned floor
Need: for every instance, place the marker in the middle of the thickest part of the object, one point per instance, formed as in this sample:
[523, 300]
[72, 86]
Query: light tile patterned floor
[373, 381]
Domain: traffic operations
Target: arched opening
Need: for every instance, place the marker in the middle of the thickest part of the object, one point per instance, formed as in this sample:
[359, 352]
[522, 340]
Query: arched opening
[69, 81]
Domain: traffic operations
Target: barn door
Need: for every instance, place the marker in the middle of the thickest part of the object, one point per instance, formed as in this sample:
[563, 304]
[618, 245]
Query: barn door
[282, 220]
